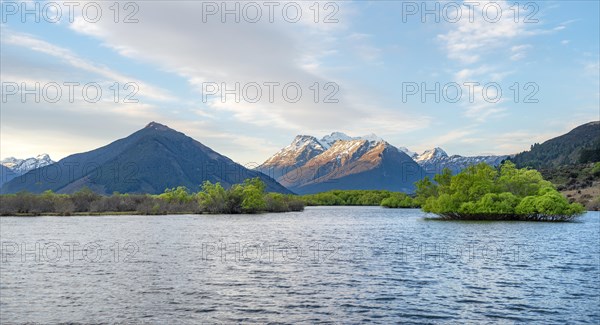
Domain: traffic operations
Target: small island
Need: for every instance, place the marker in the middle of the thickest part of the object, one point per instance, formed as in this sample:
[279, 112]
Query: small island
[482, 192]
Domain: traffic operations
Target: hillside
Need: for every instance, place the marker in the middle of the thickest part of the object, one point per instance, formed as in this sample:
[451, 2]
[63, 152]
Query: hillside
[148, 161]
[580, 145]
[12, 167]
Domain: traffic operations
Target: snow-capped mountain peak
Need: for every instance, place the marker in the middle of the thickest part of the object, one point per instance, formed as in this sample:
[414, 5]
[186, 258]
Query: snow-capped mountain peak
[411, 154]
[432, 154]
[304, 140]
[329, 140]
[372, 138]
[436, 159]
[22, 166]
[302, 149]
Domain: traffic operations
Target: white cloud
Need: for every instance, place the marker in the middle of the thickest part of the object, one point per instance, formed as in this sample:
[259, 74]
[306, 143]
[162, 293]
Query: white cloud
[175, 38]
[519, 51]
[592, 68]
[479, 47]
[469, 41]
[65, 55]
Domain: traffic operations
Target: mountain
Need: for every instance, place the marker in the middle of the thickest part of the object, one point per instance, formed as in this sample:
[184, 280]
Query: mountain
[329, 140]
[6, 174]
[22, 166]
[13, 167]
[148, 161]
[298, 153]
[581, 144]
[339, 161]
[434, 154]
[433, 161]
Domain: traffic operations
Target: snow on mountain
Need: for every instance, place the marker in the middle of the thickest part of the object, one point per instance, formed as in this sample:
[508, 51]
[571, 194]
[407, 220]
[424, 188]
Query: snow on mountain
[329, 140]
[369, 163]
[22, 166]
[436, 153]
[371, 138]
[435, 160]
[341, 161]
[411, 154]
[300, 144]
[305, 147]
[301, 150]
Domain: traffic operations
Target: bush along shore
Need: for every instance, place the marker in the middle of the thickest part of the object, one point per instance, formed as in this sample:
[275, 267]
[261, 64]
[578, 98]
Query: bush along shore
[482, 192]
[360, 198]
[248, 197]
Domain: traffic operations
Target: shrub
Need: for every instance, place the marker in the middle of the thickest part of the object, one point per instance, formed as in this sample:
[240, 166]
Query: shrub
[482, 192]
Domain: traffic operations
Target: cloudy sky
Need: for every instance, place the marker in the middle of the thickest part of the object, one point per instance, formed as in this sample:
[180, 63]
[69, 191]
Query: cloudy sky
[524, 74]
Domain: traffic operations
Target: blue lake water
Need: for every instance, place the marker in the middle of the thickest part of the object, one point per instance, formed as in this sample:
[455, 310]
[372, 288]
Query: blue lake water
[326, 264]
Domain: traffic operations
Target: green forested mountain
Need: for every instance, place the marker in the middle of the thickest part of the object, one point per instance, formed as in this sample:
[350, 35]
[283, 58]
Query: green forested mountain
[580, 145]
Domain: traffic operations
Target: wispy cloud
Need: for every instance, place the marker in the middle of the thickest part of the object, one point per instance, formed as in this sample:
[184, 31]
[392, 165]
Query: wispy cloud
[66, 56]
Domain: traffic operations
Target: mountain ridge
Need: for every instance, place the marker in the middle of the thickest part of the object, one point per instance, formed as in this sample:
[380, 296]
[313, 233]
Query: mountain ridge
[565, 149]
[13, 167]
[147, 161]
[343, 162]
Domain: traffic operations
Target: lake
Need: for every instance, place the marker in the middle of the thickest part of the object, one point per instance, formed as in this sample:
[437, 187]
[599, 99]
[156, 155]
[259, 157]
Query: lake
[326, 264]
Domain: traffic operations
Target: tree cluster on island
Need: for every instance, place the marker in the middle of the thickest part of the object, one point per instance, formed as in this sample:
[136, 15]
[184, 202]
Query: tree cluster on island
[481, 192]
[249, 197]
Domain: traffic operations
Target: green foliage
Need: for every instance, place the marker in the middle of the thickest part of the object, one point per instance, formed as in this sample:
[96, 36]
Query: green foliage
[213, 198]
[359, 197]
[596, 169]
[483, 192]
[248, 197]
[177, 195]
[425, 189]
[398, 200]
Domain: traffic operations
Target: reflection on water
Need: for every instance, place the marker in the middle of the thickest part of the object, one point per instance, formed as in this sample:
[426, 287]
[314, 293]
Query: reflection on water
[348, 265]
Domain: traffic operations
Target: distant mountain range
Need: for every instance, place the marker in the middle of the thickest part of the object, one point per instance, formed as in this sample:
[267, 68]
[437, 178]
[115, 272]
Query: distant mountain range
[433, 161]
[157, 157]
[13, 167]
[339, 161]
[580, 145]
[148, 161]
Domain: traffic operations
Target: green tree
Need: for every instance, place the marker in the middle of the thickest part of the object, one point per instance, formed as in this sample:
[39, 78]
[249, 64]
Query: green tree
[253, 199]
[425, 189]
[482, 191]
[212, 197]
[180, 194]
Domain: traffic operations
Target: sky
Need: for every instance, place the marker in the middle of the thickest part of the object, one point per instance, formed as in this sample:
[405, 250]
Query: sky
[247, 77]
